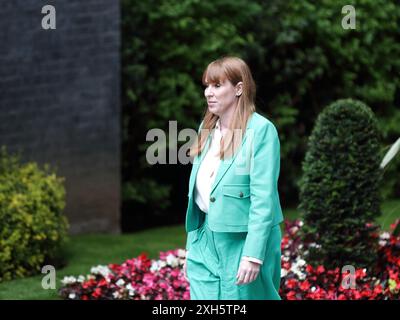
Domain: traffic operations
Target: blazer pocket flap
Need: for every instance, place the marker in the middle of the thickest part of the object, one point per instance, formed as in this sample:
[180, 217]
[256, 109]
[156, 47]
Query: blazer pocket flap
[236, 191]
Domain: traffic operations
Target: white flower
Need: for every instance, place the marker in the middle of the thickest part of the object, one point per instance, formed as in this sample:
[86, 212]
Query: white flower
[286, 252]
[385, 235]
[181, 253]
[81, 278]
[120, 282]
[131, 289]
[155, 266]
[162, 264]
[68, 280]
[313, 289]
[315, 245]
[72, 295]
[116, 295]
[301, 262]
[102, 270]
[172, 261]
[296, 268]
[284, 272]
[301, 223]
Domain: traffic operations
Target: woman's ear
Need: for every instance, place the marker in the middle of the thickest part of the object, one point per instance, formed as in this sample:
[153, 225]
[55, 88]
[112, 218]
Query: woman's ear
[239, 88]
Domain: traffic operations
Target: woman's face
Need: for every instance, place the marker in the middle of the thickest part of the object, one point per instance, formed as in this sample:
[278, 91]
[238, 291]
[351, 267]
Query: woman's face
[220, 96]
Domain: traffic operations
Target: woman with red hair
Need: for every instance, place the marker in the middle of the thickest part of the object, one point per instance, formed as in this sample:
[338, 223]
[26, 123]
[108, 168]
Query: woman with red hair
[233, 214]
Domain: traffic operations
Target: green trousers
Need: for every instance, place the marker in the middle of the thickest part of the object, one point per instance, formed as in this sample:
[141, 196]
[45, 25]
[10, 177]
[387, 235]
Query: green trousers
[213, 261]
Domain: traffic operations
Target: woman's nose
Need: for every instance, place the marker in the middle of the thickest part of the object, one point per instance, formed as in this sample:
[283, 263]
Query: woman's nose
[208, 92]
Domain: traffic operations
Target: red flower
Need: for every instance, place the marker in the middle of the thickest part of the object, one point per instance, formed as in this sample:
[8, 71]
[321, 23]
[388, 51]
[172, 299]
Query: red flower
[366, 293]
[97, 293]
[291, 295]
[87, 284]
[360, 273]
[309, 269]
[291, 283]
[378, 289]
[393, 275]
[356, 295]
[286, 265]
[320, 269]
[305, 285]
[103, 282]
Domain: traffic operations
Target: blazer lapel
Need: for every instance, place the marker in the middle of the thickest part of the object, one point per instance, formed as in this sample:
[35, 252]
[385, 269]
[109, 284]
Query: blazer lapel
[224, 166]
[226, 163]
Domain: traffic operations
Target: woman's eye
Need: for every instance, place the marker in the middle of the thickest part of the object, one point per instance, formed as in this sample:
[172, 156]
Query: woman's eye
[216, 85]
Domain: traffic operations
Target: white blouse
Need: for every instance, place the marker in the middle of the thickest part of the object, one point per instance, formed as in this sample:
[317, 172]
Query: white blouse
[206, 175]
[208, 170]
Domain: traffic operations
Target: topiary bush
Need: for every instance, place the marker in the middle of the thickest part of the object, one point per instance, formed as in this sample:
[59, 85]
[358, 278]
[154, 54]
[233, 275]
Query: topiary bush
[33, 229]
[339, 189]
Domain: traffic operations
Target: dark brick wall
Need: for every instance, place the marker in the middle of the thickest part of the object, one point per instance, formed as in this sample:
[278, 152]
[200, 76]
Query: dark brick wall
[60, 100]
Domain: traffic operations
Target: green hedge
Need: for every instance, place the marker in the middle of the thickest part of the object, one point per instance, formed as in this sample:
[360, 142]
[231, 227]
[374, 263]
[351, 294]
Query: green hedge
[301, 58]
[32, 226]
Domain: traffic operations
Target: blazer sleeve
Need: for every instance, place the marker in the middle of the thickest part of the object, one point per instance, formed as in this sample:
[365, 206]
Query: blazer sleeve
[264, 174]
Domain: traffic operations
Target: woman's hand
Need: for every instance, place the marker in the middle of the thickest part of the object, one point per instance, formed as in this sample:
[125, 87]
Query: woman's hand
[248, 271]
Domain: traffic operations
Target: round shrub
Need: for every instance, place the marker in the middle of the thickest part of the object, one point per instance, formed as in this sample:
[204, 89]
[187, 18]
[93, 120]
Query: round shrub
[33, 229]
[339, 189]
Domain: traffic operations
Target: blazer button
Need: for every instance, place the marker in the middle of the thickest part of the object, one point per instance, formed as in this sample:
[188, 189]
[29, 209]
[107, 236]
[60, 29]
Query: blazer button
[241, 194]
[212, 199]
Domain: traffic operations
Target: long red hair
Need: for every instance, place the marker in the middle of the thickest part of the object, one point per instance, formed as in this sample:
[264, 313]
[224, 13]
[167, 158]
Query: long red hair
[235, 70]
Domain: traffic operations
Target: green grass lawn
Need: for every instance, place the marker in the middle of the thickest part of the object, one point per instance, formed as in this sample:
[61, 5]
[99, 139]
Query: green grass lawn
[85, 251]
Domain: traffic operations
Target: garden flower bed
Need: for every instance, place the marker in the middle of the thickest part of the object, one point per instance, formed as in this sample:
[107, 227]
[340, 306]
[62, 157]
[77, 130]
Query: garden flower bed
[138, 279]
[300, 281]
[141, 278]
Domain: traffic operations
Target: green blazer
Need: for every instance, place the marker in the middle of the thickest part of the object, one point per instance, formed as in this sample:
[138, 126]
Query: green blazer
[244, 196]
